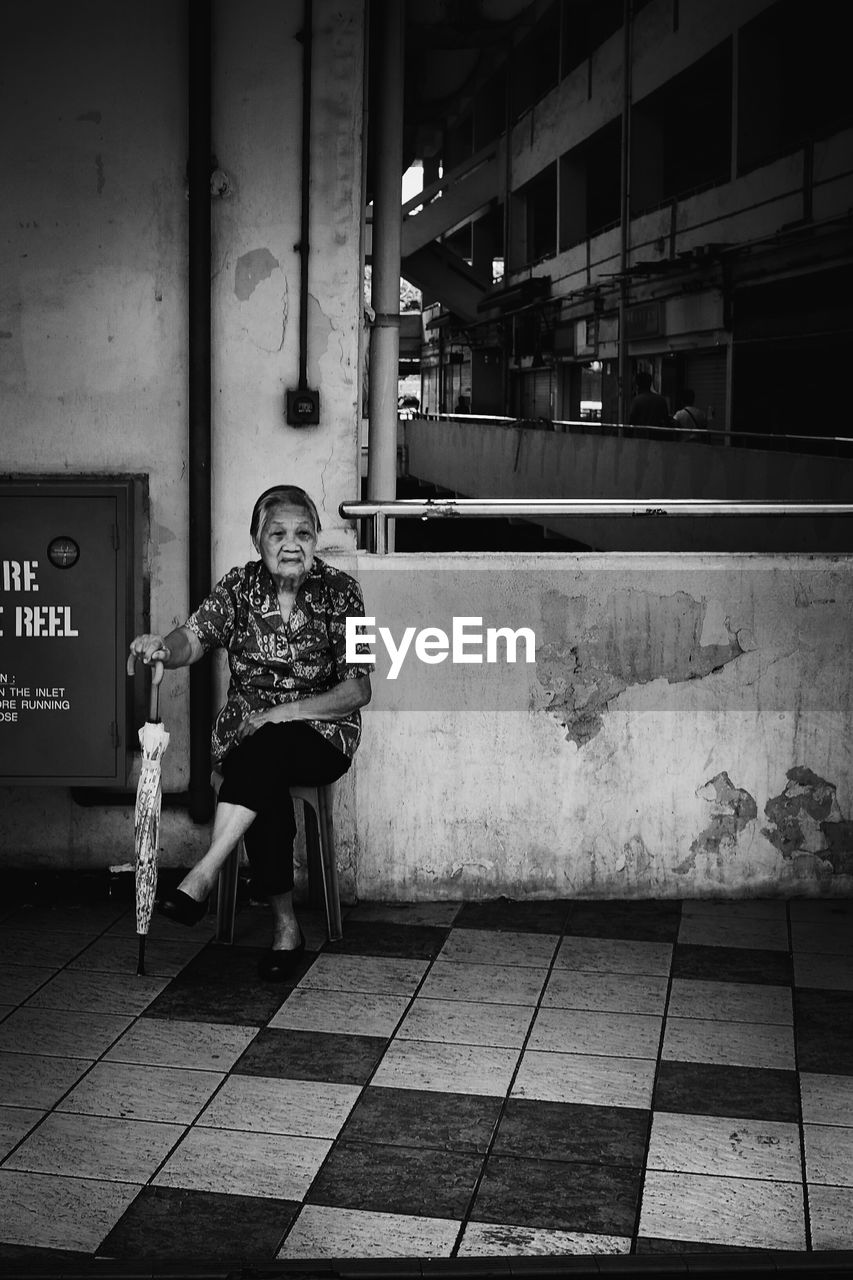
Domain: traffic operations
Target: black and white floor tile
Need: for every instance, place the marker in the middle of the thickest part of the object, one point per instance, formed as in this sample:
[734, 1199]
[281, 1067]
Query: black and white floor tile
[468, 1080]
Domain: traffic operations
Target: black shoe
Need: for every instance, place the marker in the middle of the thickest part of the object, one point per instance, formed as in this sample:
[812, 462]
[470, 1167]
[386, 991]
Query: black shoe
[179, 906]
[278, 966]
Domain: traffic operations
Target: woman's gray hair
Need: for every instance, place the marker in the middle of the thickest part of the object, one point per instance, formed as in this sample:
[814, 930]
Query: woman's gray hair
[290, 494]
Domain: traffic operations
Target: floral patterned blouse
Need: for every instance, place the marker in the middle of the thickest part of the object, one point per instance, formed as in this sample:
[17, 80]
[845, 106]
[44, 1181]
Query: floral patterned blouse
[272, 661]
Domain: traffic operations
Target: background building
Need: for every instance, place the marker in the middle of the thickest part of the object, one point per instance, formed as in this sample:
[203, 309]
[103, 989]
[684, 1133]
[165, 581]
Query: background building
[687, 172]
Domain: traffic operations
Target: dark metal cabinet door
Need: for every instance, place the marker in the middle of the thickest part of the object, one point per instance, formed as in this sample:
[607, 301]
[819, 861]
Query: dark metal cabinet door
[62, 595]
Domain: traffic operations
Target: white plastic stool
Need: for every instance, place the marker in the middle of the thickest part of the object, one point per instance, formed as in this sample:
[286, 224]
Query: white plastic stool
[320, 848]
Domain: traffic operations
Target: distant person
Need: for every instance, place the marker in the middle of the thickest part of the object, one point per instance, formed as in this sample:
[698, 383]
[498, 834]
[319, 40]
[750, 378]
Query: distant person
[408, 406]
[690, 417]
[463, 405]
[648, 408]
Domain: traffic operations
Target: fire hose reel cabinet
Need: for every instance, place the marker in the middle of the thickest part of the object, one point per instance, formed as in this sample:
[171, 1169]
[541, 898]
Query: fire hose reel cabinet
[65, 611]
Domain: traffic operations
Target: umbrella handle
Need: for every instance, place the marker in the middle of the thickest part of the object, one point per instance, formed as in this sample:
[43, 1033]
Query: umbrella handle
[156, 676]
[154, 695]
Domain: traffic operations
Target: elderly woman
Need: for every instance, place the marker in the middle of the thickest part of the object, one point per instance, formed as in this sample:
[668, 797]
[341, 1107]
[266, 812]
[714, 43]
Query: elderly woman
[292, 712]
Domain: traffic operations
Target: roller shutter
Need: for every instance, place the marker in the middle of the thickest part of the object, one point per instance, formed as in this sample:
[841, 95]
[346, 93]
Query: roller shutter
[533, 394]
[705, 373]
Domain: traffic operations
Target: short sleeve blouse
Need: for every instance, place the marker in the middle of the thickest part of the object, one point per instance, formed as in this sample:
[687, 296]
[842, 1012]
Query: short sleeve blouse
[271, 661]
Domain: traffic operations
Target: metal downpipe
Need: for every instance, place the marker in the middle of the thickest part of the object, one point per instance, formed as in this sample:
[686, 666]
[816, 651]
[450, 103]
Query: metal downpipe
[200, 796]
[307, 41]
[625, 215]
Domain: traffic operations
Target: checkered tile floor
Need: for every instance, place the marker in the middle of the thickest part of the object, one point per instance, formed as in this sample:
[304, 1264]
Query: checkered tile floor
[451, 1080]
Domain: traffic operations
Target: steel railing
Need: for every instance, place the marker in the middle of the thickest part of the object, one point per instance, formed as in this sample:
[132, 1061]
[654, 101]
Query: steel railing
[530, 508]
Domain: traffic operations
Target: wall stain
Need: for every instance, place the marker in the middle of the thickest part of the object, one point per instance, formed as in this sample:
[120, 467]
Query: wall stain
[581, 668]
[804, 593]
[320, 328]
[161, 534]
[732, 809]
[635, 860]
[806, 819]
[252, 268]
[92, 117]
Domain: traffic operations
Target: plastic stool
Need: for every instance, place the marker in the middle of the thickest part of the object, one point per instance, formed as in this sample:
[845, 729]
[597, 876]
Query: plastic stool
[320, 846]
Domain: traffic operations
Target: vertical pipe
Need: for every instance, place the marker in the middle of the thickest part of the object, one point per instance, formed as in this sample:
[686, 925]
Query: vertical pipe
[387, 145]
[442, 375]
[735, 104]
[727, 280]
[363, 330]
[730, 366]
[307, 37]
[624, 214]
[200, 798]
[380, 534]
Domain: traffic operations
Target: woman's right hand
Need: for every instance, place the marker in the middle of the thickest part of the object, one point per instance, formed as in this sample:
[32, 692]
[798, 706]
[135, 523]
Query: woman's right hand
[149, 648]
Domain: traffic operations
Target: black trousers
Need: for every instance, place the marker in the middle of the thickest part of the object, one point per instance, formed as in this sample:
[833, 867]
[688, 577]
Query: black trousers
[257, 773]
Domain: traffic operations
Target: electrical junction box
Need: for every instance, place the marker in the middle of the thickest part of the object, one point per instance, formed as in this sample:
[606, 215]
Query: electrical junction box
[65, 611]
[303, 408]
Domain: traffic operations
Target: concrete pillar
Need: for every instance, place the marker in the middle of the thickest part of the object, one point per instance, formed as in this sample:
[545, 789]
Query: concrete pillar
[387, 225]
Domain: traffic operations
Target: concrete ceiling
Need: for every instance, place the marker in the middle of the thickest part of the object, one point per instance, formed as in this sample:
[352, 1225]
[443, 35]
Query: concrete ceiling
[453, 47]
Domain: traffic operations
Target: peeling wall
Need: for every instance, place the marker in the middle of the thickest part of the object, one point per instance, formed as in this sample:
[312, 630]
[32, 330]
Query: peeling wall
[582, 669]
[684, 730]
[806, 825]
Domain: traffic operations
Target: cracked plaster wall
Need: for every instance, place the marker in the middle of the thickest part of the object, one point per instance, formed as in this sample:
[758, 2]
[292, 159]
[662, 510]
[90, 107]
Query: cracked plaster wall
[683, 731]
[256, 285]
[639, 637]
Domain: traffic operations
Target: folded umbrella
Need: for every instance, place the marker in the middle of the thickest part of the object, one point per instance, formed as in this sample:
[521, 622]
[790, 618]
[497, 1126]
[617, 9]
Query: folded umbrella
[153, 739]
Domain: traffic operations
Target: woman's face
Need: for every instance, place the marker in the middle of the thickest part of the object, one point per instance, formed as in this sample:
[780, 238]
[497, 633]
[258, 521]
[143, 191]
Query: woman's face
[288, 542]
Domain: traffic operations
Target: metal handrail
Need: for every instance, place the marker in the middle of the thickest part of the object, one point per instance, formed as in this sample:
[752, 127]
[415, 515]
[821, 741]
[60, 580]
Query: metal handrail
[481, 508]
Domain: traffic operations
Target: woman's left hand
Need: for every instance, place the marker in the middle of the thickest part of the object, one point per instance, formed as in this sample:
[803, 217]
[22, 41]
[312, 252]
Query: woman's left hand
[252, 722]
